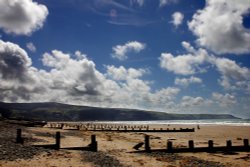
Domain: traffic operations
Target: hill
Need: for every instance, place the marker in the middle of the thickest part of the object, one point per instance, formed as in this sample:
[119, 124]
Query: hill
[63, 112]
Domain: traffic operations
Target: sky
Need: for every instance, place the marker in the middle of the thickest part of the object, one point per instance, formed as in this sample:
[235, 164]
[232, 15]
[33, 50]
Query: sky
[174, 56]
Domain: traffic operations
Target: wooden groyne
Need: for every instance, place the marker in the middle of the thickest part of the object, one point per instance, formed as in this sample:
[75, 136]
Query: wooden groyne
[191, 148]
[147, 130]
[57, 145]
[93, 146]
[114, 128]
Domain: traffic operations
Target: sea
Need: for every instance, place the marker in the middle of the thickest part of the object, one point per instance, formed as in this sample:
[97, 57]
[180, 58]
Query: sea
[229, 122]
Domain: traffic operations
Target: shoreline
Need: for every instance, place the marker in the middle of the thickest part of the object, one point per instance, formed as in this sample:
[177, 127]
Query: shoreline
[164, 123]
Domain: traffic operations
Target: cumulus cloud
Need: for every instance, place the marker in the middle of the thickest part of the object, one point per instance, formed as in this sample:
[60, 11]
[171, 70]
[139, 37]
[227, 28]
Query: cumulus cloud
[242, 85]
[186, 64]
[165, 95]
[14, 61]
[120, 51]
[219, 26]
[121, 73]
[15, 73]
[187, 81]
[188, 101]
[80, 56]
[163, 3]
[182, 64]
[177, 18]
[134, 90]
[31, 46]
[73, 78]
[22, 17]
[233, 76]
[67, 78]
[226, 100]
[230, 69]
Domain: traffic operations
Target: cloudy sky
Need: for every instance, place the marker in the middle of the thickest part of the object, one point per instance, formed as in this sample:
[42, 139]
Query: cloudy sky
[173, 56]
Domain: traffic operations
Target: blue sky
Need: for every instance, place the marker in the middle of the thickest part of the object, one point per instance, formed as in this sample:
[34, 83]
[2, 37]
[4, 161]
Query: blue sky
[169, 55]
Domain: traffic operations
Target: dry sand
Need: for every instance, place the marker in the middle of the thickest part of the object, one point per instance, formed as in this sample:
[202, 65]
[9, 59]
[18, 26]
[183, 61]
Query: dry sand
[114, 148]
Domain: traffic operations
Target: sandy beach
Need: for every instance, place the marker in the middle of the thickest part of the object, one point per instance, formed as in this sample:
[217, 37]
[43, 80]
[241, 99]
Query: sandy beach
[114, 148]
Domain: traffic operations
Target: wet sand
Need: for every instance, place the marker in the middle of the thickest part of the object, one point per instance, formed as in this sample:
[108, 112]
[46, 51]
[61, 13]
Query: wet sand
[114, 148]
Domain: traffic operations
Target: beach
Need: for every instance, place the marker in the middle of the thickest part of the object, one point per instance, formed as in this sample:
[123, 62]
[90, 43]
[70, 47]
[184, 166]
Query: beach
[116, 148]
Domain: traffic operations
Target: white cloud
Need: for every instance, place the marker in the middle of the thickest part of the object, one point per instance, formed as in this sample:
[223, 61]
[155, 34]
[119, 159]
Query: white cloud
[188, 47]
[80, 55]
[165, 94]
[226, 100]
[219, 26]
[121, 73]
[163, 3]
[74, 79]
[135, 91]
[16, 79]
[75, 76]
[233, 76]
[22, 17]
[186, 64]
[68, 78]
[243, 85]
[187, 81]
[120, 51]
[31, 46]
[177, 18]
[14, 61]
[231, 70]
[188, 101]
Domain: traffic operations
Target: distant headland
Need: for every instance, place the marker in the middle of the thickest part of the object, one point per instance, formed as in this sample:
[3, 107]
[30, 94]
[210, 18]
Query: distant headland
[50, 111]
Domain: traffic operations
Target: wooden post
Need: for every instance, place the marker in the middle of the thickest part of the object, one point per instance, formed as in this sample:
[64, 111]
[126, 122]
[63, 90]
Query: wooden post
[147, 145]
[58, 136]
[246, 143]
[210, 144]
[229, 144]
[198, 126]
[191, 144]
[19, 138]
[169, 146]
[93, 144]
